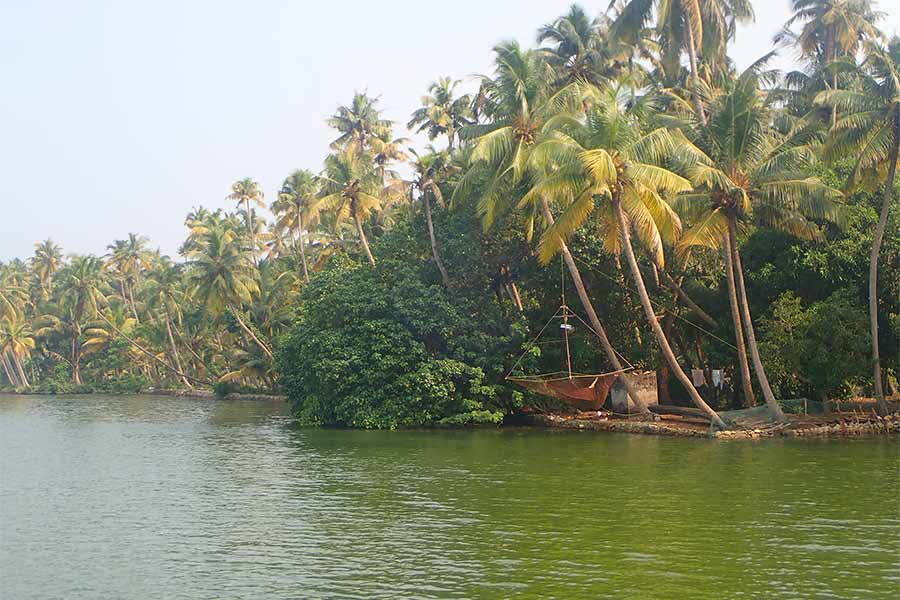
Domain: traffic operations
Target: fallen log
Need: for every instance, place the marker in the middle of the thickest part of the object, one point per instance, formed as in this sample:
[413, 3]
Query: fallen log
[684, 411]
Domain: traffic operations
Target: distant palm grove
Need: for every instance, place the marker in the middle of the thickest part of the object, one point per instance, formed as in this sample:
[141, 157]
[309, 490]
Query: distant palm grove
[696, 216]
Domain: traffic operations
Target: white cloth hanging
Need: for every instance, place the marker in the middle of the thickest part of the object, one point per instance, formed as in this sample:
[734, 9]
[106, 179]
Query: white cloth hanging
[698, 377]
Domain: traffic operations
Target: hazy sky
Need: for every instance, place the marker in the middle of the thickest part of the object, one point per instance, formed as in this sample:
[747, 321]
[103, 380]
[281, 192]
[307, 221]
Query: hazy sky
[120, 116]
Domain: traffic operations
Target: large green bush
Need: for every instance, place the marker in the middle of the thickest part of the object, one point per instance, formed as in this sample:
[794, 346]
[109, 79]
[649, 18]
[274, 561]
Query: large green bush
[819, 351]
[380, 348]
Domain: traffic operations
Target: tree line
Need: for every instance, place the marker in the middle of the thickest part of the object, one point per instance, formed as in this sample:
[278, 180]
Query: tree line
[701, 215]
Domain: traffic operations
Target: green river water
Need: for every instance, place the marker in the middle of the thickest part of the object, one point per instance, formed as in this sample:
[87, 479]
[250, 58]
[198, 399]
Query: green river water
[155, 497]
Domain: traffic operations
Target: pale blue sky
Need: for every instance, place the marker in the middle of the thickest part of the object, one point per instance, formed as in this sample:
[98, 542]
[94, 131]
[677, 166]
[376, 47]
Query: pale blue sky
[120, 116]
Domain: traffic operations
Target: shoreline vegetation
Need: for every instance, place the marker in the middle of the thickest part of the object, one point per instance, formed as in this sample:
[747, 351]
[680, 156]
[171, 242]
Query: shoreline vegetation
[853, 419]
[722, 228]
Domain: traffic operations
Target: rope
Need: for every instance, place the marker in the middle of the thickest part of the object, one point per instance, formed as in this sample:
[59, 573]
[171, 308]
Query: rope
[565, 328]
[591, 329]
[548, 377]
[658, 304]
[531, 342]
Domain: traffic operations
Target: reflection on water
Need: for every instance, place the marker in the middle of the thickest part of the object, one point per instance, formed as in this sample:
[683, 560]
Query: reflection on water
[136, 497]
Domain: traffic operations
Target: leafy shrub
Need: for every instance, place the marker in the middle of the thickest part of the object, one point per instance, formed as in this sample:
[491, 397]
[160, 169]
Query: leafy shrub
[819, 351]
[380, 348]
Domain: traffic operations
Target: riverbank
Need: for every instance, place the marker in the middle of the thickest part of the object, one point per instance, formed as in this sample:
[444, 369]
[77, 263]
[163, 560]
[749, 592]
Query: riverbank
[831, 425]
[212, 395]
[848, 423]
[194, 393]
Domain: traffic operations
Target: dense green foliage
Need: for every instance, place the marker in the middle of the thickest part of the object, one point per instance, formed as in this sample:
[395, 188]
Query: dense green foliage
[634, 160]
[378, 347]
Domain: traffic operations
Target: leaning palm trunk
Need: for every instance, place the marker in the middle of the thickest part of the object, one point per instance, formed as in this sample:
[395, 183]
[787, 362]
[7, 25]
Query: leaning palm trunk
[654, 323]
[873, 271]
[133, 304]
[76, 360]
[158, 360]
[300, 236]
[514, 294]
[252, 335]
[769, 397]
[21, 371]
[594, 320]
[688, 301]
[695, 78]
[250, 226]
[434, 246]
[174, 348]
[362, 234]
[743, 364]
[7, 368]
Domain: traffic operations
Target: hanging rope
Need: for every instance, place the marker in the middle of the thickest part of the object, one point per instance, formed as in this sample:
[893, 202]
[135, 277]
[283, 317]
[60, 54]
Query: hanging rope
[565, 316]
[531, 343]
[657, 304]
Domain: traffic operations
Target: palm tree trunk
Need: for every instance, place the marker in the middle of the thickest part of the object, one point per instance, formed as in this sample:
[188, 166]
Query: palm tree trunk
[76, 362]
[688, 301]
[250, 226]
[769, 397]
[302, 245]
[695, 77]
[593, 319]
[148, 353]
[250, 333]
[133, 305]
[362, 234]
[654, 323]
[831, 56]
[743, 364]
[7, 368]
[877, 385]
[18, 364]
[514, 294]
[174, 348]
[433, 239]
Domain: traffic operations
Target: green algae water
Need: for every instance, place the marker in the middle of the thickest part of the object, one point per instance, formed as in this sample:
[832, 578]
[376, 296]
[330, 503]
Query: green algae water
[155, 497]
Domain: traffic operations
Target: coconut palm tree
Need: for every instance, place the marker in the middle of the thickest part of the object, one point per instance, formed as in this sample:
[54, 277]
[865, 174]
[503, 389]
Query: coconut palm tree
[614, 158]
[870, 132]
[13, 293]
[128, 257]
[697, 27]
[351, 189]
[442, 113]
[112, 318]
[830, 29]
[272, 311]
[518, 103]
[384, 152]
[358, 124]
[16, 342]
[83, 291]
[582, 49]
[46, 261]
[295, 209]
[221, 278]
[246, 192]
[429, 170]
[753, 174]
[521, 106]
[165, 294]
